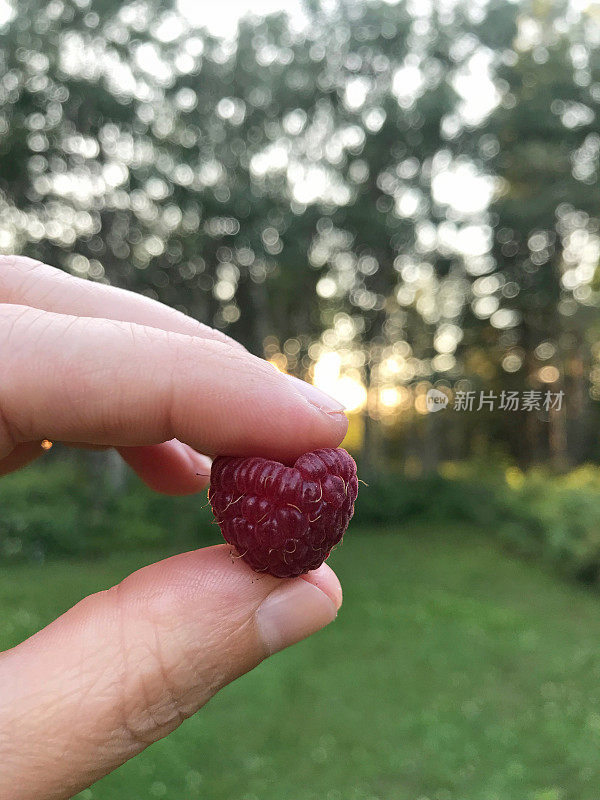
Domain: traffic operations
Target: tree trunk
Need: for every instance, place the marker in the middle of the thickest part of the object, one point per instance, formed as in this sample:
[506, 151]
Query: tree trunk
[432, 425]
[576, 398]
[261, 318]
[372, 460]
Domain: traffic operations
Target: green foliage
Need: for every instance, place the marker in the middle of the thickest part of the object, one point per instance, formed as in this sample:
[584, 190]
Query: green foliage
[42, 511]
[58, 511]
[394, 499]
[288, 187]
[537, 515]
[549, 518]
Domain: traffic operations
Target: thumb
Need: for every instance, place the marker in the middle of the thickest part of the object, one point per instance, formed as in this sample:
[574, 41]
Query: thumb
[125, 667]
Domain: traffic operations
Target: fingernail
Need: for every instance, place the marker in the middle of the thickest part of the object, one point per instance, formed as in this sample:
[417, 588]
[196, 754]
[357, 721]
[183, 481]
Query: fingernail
[316, 397]
[292, 612]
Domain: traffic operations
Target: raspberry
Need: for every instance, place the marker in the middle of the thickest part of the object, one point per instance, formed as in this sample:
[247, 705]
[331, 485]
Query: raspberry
[284, 520]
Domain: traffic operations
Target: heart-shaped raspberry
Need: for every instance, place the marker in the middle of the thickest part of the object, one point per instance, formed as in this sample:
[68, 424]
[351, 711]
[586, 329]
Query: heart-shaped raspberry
[284, 520]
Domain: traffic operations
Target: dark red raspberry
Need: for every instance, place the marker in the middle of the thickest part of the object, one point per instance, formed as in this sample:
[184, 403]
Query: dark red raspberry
[284, 520]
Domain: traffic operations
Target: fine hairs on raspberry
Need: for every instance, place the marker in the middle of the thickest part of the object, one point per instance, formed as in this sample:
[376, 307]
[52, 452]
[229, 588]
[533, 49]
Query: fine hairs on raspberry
[284, 520]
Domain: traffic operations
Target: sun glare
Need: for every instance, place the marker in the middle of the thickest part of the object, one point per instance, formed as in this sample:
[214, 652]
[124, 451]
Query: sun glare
[389, 397]
[346, 388]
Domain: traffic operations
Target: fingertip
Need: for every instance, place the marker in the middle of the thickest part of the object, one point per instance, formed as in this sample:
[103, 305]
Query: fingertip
[200, 463]
[292, 611]
[340, 424]
[328, 408]
[171, 468]
[325, 579]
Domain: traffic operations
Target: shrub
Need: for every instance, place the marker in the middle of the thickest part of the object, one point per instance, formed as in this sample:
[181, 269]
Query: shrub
[57, 510]
[555, 519]
[535, 514]
[395, 499]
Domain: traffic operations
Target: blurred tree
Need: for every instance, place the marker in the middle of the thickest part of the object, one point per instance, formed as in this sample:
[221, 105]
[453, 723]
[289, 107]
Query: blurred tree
[380, 196]
[543, 145]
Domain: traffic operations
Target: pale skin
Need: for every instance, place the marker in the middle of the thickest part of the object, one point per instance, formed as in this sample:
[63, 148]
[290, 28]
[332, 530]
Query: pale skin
[91, 365]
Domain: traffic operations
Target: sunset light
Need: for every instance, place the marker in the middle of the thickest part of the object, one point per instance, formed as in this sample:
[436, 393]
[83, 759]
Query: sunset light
[346, 387]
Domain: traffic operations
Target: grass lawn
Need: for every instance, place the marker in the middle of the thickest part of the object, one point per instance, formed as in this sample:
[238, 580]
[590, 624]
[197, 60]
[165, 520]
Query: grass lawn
[453, 673]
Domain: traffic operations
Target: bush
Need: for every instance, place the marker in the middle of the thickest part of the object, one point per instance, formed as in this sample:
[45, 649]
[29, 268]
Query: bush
[60, 509]
[56, 509]
[555, 519]
[395, 499]
[536, 514]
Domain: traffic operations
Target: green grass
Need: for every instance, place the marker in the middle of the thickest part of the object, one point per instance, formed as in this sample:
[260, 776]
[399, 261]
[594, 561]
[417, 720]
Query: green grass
[452, 673]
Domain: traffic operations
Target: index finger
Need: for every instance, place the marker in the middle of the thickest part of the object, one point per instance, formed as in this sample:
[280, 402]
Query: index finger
[78, 379]
[26, 282]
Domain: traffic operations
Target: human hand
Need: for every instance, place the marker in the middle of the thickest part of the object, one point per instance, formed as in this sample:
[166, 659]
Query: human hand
[91, 365]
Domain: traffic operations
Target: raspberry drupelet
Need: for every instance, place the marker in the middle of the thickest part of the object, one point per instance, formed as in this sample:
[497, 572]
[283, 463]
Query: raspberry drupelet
[284, 520]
